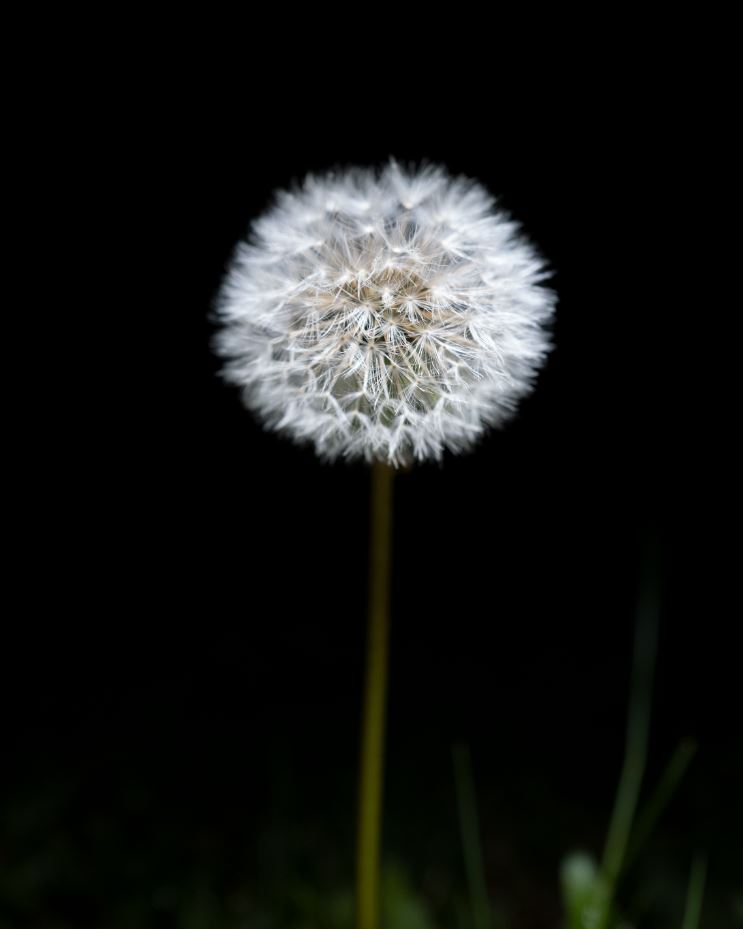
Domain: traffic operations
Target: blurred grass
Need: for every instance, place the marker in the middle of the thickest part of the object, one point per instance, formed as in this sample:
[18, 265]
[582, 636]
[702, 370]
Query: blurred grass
[660, 798]
[636, 745]
[115, 844]
[66, 864]
[695, 896]
[482, 917]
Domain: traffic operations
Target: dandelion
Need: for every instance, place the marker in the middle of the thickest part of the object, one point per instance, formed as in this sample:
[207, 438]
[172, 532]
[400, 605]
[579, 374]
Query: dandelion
[387, 316]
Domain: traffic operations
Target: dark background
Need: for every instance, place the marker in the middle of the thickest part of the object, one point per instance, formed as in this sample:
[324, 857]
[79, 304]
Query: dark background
[181, 697]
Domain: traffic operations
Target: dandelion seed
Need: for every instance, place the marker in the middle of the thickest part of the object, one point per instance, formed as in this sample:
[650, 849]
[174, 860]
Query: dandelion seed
[388, 315]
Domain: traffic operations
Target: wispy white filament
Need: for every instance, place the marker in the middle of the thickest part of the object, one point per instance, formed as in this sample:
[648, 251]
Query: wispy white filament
[384, 315]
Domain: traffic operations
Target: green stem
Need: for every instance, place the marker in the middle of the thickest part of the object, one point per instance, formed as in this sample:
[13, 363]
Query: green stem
[372, 746]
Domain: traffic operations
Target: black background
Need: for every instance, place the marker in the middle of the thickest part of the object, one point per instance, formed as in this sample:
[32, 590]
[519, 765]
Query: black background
[187, 672]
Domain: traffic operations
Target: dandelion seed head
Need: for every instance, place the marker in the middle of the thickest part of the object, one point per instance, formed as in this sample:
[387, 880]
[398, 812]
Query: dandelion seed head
[386, 315]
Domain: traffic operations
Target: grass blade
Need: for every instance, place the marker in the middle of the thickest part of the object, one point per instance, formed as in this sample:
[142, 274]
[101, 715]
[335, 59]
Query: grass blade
[670, 779]
[695, 894]
[481, 912]
[638, 730]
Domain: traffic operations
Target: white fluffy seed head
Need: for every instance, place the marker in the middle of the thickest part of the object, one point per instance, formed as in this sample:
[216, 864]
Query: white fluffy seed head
[384, 315]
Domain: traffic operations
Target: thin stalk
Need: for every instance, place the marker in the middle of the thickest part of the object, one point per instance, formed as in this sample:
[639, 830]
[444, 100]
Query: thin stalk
[372, 745]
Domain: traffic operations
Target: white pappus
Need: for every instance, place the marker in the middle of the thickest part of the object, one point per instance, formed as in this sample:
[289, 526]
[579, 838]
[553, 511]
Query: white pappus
[386, 315]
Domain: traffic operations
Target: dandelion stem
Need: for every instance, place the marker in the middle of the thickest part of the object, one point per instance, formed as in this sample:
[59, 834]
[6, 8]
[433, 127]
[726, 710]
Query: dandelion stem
[372, 747]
